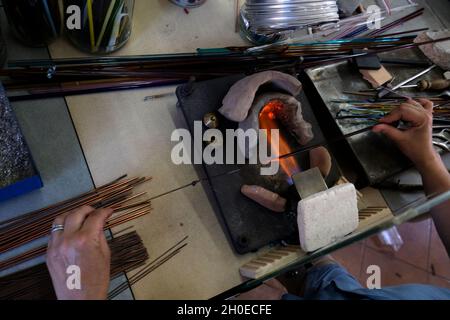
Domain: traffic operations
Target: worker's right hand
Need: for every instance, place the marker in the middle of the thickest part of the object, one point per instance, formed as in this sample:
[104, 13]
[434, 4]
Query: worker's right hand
[416, 141]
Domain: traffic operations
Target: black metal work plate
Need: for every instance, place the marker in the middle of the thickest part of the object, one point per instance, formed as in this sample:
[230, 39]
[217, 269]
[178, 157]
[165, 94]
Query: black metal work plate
[250, 226]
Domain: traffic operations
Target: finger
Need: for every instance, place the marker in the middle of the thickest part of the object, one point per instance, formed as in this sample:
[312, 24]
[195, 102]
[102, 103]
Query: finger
[427, 104]
[405, 113]
[415, 106]
[394, 116]
[55, 237]
[392, 133]
[414, 103]
[96, 221]
[74, 221]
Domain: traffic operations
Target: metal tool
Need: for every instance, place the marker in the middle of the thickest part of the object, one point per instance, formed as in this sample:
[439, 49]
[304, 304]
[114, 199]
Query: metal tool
[441, 84]
[385, 92]
[443, 145]
[394, 92]
[444, 135]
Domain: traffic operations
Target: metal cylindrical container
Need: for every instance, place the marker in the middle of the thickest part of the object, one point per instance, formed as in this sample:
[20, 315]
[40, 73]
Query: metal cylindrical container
[105, 25]
[35, 22]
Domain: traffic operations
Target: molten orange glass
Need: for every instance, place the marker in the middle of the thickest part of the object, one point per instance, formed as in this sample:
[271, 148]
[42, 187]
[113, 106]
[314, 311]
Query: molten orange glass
[268, 121]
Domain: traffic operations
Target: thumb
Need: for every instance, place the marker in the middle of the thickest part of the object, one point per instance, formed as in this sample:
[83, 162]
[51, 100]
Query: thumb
[392, 133]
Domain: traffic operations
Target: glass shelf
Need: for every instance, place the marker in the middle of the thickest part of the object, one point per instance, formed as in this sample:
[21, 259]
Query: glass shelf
[373, 226]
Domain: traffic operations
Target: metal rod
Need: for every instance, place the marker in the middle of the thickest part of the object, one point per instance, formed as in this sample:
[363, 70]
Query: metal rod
[394, 92]
[414, 77]
[384, 92]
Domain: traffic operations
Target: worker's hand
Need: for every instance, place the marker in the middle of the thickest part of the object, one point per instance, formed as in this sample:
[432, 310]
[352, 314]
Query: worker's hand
[78, 257]
[416, 141]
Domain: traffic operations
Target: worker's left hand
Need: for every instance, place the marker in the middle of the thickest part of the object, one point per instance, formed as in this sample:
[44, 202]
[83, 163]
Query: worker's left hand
[79, 254]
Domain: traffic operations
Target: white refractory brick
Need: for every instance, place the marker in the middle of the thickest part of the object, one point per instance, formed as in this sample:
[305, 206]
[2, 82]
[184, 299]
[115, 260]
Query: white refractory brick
[327, 216]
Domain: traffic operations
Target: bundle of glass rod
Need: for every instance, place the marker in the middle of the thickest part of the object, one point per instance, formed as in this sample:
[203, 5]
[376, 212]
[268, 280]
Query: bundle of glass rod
[127, 254]
[264, 21]
[355, 116]
[150, 267]
[366, 112]
[55, 78]
[117, 195]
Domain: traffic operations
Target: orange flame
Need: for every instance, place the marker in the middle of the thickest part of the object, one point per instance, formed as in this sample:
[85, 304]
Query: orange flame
[268, 121]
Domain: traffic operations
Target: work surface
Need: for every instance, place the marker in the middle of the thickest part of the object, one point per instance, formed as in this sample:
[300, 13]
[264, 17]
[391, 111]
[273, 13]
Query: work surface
[121, 133]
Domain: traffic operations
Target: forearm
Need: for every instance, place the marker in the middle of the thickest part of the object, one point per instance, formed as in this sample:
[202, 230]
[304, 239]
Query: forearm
[436, 180]
[415, 141]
